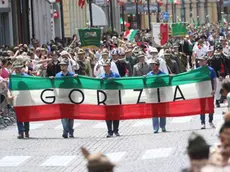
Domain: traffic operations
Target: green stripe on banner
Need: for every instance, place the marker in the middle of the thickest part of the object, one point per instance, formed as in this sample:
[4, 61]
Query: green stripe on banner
[18, 82]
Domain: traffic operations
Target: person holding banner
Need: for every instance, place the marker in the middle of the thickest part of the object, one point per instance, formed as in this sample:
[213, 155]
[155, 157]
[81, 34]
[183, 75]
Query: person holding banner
[23, 127]
[66, 123]
[108, 74]
[203, 60]
[155, 64]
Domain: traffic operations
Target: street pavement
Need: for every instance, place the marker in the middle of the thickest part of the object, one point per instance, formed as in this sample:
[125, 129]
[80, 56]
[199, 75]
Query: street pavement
[138, 149]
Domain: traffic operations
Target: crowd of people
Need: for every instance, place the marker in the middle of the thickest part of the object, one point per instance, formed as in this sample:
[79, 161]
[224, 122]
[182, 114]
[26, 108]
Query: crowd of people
[118, 57]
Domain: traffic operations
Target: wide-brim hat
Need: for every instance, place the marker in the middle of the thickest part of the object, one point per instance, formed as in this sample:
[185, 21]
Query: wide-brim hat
[80, 52]
[105, 52]
[64, 62]
[128, 50]
[155, 61]
[17, 66]
[204, 57]
[106, 63]
[18, 63]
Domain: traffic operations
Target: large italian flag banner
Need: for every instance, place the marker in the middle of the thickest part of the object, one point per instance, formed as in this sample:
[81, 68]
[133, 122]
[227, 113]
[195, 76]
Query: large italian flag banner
[160, 33]
[87, 98]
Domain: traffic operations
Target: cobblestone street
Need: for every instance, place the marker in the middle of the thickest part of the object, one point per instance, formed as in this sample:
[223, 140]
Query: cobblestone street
[138, 149]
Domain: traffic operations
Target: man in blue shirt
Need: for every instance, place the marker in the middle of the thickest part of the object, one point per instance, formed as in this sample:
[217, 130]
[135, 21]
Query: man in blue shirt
[203, 61]
[23, 127]
[155, 64]
[66, 123]
[110, 75]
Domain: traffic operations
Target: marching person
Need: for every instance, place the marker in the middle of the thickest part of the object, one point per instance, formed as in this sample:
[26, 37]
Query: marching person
[219, 62]
[23, 127]
[84, 64]
[108, 74]
[141, 68]
[99, 70]
[203, 61]
[67, 124]
[172, 65]
[153, 53]
[155, 64]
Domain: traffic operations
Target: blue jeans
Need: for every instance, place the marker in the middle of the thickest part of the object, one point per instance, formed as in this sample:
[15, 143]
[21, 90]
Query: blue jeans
[23, 127]
[156, 123]
[202, 118]
[67, 126]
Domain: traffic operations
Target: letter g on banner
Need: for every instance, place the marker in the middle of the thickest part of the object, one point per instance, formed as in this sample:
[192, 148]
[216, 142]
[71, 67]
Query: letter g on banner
[47, 99]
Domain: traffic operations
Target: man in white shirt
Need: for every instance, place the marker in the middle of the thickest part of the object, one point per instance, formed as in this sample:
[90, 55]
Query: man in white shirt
[199, 50]
[153, 54]
[99, 70]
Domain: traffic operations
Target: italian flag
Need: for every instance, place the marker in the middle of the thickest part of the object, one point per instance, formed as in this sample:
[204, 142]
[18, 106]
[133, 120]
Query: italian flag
[160, 33]
[177, 2]
[130, 34]
[38, 99]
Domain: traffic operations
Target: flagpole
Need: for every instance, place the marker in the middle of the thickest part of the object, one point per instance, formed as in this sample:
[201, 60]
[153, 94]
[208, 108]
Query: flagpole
[90, 13]
[111, 14]
[149, 14]
[172, 12]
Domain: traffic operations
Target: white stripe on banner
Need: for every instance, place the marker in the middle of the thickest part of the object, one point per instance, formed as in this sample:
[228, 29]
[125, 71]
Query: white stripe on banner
[112, 97]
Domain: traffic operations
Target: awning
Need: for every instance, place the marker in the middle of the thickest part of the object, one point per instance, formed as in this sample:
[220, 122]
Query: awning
[99, 17]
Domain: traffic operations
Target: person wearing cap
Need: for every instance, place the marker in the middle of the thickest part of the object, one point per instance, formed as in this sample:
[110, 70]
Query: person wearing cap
[199, 50]
[141, 68]
[54, 67]
[114, 54]
[180, 58]
[130, 58]
[84, 64]
[172, 65]
[112, 125]
[23, 127]
[198, 152]
[72, 65]
[203, 61]
[99, 70]
[67, 124]
[153, 54]
[123, 66]
[220, 63]
[155, 64]
[97, 162]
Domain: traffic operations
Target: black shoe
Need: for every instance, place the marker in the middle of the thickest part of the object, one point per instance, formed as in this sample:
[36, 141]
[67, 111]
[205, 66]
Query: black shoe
[71, 136]
[217, 103]
[21, 136]
[109, 135]
[65, 136]
[27, 135]
[117, 134]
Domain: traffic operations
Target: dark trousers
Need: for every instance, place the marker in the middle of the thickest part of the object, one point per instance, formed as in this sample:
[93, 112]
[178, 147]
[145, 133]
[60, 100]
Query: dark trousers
[202, 118]
[115, 127]
[23, 127]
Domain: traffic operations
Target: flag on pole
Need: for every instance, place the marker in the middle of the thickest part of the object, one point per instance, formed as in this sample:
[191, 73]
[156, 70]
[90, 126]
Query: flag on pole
[223, 21]
[179, 29]
[160, 33]
[130, 34]
[117, 99]
[177, 2]
[81, 3]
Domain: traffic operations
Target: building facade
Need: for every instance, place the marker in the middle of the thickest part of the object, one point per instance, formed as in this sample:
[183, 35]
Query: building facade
[6, 23]
[187, 10]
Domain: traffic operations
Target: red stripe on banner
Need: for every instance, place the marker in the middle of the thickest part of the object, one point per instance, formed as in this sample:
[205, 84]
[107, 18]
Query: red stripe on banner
[117, 112]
